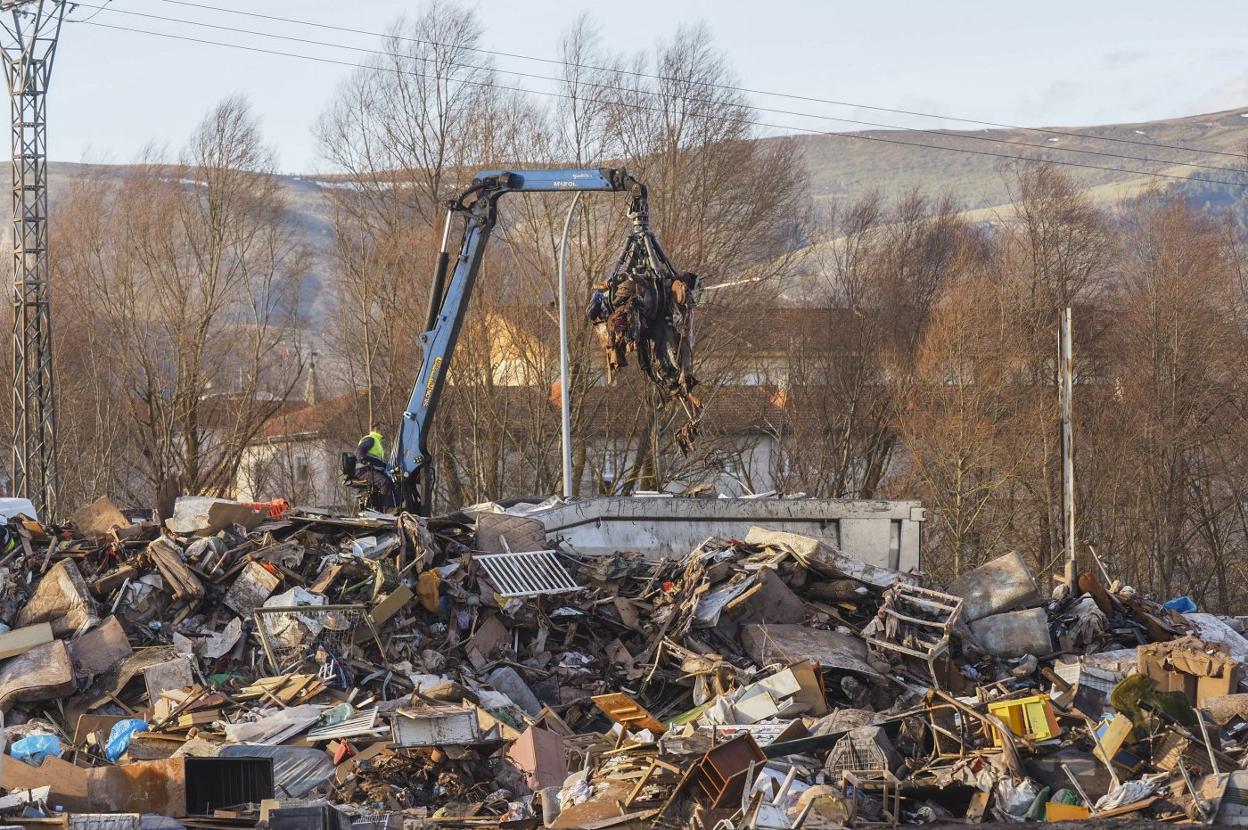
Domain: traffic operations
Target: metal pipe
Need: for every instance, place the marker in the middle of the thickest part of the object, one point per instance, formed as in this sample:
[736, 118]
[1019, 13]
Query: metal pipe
[439, 276]
[565, 404]
[1204, 734]
[436, 291]
[1067, 381]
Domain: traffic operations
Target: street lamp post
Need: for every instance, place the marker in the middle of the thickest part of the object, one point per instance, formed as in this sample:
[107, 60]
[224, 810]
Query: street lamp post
[564, 379]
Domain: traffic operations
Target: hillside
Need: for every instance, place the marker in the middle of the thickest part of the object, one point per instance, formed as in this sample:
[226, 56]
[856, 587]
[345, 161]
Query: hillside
[845, 167]
[307, 209]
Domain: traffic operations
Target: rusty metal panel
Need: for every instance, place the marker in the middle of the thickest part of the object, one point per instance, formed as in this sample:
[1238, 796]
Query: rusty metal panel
[143, 787]
[178, 787]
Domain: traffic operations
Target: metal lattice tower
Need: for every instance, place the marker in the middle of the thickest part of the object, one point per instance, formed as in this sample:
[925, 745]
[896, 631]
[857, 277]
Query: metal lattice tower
[31, 29]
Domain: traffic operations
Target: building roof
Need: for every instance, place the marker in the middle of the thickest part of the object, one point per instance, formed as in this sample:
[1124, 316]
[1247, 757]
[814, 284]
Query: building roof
[226, 410]
[728, 410]
[318, 419]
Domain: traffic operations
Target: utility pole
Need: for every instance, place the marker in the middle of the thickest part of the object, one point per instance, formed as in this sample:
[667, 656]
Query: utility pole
[1066, 383]
[31, 29]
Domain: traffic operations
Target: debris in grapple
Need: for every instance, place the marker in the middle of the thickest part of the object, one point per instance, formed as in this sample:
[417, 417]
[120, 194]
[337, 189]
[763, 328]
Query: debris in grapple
[646, 307]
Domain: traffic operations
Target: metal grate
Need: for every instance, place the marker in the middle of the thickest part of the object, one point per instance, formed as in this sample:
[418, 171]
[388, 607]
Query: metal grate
[527, 574]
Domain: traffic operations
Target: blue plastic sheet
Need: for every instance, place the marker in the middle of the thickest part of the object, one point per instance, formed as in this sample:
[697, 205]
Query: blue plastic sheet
[119, 737]
[34, 748]
[1184, 605]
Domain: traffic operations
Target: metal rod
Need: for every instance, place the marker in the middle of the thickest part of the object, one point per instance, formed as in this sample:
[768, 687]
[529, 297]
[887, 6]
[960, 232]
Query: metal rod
[1074, 782]
[1204, 734]
[1191, 788]
[1103, 755]
[565, 400]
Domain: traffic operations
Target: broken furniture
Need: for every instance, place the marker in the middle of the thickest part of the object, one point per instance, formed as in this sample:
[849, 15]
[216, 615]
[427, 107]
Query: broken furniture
[719, 778]
[917, 622]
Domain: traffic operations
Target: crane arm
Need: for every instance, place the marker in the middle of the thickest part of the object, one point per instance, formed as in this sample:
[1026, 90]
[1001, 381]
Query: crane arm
[410, 462]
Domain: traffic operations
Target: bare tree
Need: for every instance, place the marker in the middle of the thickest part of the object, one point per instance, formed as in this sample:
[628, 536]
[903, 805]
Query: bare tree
[1177, 346]
[193, 271]
[878, 273]
[94, 426]
[406, 126]
[955, 426]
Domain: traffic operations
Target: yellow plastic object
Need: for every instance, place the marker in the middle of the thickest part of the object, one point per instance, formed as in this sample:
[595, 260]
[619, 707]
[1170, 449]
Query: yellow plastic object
[1028, 717]
[1055, 811]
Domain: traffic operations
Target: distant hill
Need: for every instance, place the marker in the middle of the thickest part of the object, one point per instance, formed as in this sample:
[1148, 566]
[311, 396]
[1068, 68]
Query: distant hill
[307, 209]
[845, 168]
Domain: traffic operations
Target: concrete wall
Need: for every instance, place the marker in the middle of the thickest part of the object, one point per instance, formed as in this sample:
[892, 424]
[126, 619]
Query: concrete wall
[883, 533]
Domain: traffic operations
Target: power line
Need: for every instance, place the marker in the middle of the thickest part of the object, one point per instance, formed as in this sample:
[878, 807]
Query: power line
[615, 88]
[788, 127]
[712, 84]
[91, 16]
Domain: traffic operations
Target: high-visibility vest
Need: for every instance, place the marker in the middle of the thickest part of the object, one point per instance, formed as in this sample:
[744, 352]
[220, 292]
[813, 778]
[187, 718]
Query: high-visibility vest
[376, 450]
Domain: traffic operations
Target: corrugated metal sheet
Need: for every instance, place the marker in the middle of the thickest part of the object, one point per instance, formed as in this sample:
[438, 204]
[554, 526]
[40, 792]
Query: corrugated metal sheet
[363, 723]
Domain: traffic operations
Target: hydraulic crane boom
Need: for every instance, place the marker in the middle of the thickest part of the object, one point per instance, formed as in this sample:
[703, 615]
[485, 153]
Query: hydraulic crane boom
[410, 464]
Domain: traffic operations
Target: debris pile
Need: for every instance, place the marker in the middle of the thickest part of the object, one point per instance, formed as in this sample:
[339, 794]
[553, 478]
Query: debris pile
[239, 665]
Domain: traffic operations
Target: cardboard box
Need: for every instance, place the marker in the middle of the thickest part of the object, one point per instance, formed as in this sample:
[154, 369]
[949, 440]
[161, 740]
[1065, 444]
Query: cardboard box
[1189, 666]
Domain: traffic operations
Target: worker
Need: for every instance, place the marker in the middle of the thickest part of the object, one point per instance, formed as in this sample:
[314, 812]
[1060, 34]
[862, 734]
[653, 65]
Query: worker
[370, 459]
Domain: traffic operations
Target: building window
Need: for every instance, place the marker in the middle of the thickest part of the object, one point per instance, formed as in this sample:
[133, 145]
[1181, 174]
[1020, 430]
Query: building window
[302, 471]
[609, 471]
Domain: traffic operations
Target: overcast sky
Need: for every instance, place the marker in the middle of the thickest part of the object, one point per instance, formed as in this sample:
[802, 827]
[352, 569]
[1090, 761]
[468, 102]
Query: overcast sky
[1036, 64]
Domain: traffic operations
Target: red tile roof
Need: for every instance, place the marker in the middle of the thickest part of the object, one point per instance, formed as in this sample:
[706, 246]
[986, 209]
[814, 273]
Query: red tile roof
[728, 410]
[320, 418]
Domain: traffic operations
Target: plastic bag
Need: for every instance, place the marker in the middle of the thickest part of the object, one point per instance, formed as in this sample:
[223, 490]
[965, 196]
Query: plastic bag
[34, 748]
[1128, 792]
[119, 737]
[1015, 799]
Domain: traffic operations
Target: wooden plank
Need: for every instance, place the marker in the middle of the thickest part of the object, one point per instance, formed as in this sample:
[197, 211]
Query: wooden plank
[21, 640]
[203, 717]
[602, 824]
[326, 579]
[384, 610]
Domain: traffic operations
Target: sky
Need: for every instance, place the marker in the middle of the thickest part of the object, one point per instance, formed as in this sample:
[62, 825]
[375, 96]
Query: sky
[1061, 63]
